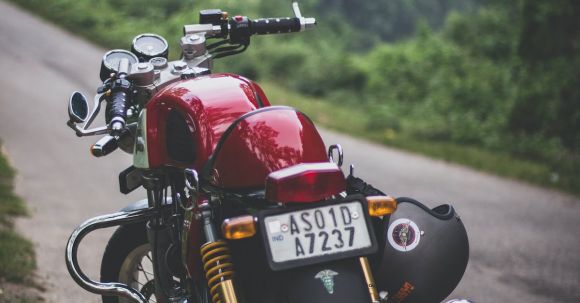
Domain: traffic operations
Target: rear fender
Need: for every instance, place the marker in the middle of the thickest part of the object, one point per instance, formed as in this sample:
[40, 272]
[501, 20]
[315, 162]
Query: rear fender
[303, 284]
[337, 282]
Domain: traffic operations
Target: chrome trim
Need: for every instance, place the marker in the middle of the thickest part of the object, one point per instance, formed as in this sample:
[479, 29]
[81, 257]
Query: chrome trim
[110, 288]
[305, 23]
[155, 36]
[209, 29]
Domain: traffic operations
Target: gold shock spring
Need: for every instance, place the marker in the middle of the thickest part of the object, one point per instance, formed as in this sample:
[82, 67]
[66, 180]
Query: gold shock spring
[219, 271]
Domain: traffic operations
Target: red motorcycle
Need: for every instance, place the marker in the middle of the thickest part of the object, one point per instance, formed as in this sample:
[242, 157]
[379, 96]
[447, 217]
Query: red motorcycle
[243, 204]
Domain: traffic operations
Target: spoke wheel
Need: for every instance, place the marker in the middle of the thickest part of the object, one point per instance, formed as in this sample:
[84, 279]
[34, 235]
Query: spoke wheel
[137, 272]
[127, 259]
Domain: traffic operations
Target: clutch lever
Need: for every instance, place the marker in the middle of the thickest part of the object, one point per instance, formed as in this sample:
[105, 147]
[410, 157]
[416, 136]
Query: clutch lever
[104, 146]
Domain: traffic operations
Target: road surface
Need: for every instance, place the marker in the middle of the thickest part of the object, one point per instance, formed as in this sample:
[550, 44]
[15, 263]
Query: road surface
[525, 243]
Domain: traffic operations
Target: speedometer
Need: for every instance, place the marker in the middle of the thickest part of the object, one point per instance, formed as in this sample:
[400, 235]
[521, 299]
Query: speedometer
[147, 46]
[111, 59]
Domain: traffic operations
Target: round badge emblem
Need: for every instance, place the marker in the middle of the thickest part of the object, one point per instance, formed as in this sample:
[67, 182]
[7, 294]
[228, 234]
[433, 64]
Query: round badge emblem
[403, 235]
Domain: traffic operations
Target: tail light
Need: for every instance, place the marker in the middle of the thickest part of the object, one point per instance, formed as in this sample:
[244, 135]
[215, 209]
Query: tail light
[305, 183]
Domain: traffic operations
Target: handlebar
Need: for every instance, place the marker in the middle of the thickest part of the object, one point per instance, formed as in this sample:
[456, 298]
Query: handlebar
[237, 30]
[118, 110]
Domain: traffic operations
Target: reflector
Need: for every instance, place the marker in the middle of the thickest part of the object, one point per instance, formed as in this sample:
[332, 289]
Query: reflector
[304, 183]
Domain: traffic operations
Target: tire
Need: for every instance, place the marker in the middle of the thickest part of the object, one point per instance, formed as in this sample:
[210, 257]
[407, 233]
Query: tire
[125, 260]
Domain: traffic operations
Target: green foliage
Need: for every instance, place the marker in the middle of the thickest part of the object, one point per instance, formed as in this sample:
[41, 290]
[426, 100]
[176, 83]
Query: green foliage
[16, 257]
[6, 172]
[393, 20]
[486, 33]
[10, 204]
[439, 90]
[490, 79]
[548, 101]
[17, 260]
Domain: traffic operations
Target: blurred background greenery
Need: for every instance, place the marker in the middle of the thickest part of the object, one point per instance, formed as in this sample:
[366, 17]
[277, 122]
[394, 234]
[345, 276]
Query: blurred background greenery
[487, 83]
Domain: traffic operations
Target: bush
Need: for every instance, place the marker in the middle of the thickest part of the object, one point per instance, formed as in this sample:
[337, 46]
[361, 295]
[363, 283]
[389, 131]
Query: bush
[440, 90]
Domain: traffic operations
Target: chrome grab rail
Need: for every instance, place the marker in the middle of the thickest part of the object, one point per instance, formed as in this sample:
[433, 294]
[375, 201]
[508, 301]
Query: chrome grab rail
[110, 288]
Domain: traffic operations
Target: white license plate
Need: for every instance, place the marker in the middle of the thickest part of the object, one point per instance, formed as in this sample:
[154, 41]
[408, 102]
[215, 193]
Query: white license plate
[317, 232]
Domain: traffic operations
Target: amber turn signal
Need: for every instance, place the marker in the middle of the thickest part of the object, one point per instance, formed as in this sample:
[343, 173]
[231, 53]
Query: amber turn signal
[239, 227]
[381, 205]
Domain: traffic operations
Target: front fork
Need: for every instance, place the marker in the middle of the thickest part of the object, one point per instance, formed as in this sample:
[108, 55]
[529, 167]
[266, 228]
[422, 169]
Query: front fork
[160, 239]
[215, 254]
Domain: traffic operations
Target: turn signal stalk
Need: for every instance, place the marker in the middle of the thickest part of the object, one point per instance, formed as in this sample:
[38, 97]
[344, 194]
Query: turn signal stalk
[239, 227]
[381, 205]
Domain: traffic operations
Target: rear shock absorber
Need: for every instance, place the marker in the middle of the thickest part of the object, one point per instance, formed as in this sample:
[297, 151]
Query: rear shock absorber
[219, 271]
[217, 262]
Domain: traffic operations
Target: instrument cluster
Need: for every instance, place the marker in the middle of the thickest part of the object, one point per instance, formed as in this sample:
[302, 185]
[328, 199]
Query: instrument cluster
[145, 48]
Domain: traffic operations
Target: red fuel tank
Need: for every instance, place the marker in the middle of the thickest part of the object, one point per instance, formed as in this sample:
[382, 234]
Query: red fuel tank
[186, 119]
[223, 126]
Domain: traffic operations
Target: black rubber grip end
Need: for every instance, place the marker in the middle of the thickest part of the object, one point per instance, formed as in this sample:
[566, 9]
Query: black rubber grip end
[275, 26]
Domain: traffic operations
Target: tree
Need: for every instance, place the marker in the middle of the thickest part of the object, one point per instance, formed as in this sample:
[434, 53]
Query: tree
[548, 101]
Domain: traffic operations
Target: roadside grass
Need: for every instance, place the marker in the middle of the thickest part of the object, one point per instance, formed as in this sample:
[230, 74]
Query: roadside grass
[17, 256]
[10, 205]
[354, 121]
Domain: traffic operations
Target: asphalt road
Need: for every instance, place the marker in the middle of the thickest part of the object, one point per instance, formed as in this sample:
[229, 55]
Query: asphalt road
[525, 241]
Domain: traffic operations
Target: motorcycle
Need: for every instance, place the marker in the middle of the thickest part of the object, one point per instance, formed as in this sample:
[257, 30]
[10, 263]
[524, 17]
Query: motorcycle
[244, 202]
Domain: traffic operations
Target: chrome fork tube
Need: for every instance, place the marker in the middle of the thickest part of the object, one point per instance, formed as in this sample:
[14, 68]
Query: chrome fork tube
[154, 185]
[109, 289]
[158, 234]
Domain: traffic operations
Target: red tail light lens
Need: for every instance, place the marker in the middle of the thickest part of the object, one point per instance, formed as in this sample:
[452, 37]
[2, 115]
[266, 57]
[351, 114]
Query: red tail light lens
[305, 183]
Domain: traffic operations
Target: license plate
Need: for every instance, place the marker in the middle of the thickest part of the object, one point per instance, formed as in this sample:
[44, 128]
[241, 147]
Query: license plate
[316, 235]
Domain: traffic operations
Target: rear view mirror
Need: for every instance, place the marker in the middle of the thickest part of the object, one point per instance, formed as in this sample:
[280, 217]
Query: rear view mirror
[78, 108]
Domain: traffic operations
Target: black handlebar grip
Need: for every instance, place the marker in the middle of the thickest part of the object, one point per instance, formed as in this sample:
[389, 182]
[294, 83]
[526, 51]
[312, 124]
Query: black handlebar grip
[275, 26]
[118, 108]
[119, 96]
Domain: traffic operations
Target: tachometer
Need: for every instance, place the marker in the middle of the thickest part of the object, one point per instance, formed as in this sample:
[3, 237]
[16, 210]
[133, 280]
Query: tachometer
[147, 46]
[111, 59]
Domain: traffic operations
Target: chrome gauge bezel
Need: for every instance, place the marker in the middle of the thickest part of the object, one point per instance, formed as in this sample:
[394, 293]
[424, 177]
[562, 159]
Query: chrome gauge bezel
[145, 54]
[132, 58]
[108, 67]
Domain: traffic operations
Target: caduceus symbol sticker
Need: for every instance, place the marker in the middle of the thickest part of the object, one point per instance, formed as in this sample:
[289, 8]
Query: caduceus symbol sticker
[327, 278]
